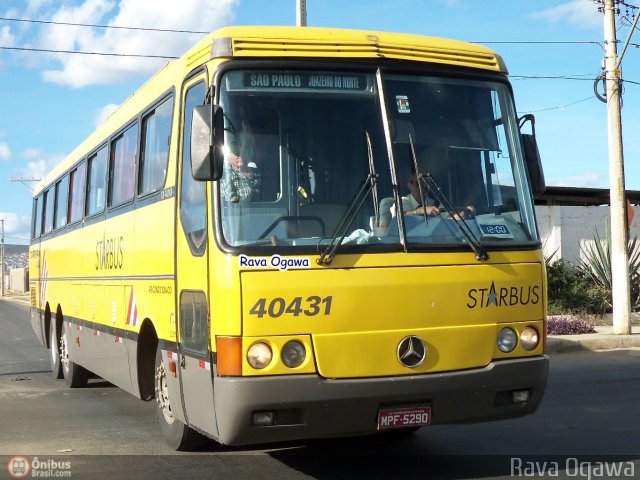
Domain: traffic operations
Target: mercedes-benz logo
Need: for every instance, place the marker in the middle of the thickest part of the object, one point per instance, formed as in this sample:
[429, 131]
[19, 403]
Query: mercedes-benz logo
[412, 351]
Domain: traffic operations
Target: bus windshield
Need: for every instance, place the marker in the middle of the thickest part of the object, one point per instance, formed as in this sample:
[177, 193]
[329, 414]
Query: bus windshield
[300, 144]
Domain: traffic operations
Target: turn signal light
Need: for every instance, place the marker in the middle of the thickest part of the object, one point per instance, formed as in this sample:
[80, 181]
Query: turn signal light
[229, 356]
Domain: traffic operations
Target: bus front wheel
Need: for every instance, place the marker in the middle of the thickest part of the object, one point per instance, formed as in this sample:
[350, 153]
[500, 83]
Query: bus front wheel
[75, 375]
[178, 435]
[54, 344]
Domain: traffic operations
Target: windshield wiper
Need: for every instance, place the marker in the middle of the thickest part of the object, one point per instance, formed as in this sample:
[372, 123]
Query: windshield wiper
[374, 185]
[481, 253]
[441, 197]
[369, 183]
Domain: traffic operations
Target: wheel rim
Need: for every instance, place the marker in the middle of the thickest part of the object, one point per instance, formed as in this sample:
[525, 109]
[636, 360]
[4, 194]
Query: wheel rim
[162, 394]
[64, 352]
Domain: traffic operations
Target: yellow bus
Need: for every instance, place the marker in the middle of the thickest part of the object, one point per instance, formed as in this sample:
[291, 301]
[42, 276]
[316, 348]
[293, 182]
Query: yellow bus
[301, 232]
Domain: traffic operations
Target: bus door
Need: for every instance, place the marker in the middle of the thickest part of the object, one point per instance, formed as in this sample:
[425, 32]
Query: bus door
[196, 380]
[35, 265]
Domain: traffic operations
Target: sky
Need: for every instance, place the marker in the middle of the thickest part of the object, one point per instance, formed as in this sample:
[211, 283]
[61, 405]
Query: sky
[50, 102]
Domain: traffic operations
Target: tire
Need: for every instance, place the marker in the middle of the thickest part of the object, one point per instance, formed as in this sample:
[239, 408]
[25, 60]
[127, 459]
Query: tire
[175, 432]
[75, 375]
[54, 357]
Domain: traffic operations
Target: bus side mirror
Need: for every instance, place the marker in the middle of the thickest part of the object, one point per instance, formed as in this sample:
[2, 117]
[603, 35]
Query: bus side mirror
[532, 156]
[207, 140]
[534, 163]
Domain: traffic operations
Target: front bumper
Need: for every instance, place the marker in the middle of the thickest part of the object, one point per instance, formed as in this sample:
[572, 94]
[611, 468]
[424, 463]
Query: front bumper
[309, 406]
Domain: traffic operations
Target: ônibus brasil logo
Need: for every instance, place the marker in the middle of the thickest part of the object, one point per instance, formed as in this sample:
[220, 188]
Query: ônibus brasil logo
[19, 467]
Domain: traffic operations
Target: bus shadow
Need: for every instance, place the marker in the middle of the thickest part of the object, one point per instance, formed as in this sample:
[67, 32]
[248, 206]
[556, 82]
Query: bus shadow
[23, 375]
[99, 383]
[385, 457]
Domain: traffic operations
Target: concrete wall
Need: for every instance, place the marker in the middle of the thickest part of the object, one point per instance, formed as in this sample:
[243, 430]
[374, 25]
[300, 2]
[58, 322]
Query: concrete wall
[19, 280]
[564, 230]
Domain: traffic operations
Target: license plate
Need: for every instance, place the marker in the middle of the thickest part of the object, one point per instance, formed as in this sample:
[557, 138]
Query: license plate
[403, 417]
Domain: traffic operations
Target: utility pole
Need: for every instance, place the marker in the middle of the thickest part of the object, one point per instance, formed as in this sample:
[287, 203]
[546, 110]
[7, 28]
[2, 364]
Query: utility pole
[2, 255]
[619, 234]
[301, 13]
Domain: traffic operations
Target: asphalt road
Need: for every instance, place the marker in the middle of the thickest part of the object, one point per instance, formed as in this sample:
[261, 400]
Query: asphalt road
[588, 415]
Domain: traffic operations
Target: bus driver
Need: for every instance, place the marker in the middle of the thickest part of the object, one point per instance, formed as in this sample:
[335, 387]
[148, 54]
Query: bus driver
[238, 183]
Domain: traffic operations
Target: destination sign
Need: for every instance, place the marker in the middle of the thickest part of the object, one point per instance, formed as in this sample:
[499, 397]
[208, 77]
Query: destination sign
[300, 81]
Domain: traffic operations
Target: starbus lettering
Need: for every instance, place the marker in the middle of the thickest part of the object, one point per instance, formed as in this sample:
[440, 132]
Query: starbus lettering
[109, 253]
[503, 296]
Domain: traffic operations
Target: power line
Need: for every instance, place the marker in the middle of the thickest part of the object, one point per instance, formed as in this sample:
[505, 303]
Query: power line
[169, 30]
[578, 77]
[77, 52]
[559, 107]
[587, 77]
[93, 25]
[541, 42]
[16, 238]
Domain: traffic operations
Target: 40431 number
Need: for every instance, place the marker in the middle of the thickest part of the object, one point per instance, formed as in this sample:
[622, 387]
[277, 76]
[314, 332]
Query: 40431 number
[276, 307]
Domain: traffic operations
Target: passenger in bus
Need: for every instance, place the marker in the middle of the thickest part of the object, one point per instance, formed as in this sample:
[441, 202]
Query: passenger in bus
[238, 182]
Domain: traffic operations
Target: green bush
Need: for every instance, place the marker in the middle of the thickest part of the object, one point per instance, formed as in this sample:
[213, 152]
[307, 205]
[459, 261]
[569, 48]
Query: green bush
[597, 266]
[572, 291]
[586, 288]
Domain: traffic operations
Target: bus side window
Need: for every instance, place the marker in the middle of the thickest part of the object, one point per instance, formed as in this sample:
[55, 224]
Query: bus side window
[97, 182]
[193, 194]
[123, 166]
[48, 211]
[37, 218]
[62, 192]
[154, 157]
[76, 193]
[193, 322]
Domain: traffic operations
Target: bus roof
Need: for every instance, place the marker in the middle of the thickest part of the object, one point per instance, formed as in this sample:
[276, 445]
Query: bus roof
[286, 42]
[349, 44]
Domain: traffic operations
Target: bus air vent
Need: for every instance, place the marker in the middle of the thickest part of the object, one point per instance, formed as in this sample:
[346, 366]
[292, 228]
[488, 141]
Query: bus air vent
[286, 47]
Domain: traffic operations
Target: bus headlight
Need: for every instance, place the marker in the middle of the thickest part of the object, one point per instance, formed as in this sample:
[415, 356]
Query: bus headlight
[529, 338]
[259, 355]
[293, 354]
[507, 340]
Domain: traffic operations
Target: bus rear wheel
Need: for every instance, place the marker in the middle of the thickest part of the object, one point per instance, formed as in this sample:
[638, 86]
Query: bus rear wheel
[178, 435]
[75, 375]
[54, 343]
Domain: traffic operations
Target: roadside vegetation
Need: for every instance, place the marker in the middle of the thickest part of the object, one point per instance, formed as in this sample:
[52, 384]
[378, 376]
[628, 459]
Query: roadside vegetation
[585, 289]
